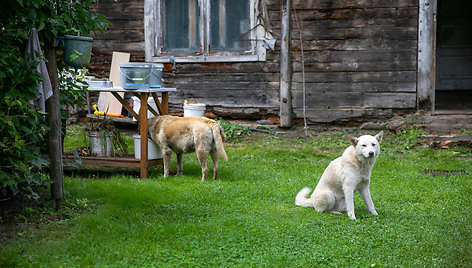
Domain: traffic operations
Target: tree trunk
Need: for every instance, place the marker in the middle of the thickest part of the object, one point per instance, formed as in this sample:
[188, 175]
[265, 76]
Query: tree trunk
[55, 139]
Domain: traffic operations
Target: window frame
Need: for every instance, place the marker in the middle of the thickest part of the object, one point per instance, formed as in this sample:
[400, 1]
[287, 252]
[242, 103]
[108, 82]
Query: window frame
[153, 37]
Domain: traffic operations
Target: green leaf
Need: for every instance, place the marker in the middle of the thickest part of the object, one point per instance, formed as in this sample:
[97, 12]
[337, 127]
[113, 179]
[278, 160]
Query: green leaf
[41, 26]
[39, 162]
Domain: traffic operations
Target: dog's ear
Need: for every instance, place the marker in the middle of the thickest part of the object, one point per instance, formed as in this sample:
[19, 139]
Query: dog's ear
[379, 136]
[353, 140]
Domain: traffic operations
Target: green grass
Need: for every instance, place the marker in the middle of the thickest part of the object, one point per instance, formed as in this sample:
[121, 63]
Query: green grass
[248, 216]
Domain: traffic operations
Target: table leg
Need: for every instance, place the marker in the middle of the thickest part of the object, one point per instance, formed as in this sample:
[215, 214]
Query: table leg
[165, 103]
[143, 132]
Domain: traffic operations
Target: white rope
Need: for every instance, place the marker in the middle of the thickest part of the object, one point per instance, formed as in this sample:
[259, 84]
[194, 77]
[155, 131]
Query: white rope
[303, 72]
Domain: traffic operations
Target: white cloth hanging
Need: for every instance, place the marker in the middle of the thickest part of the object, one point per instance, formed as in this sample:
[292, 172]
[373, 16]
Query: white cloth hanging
[33, 52]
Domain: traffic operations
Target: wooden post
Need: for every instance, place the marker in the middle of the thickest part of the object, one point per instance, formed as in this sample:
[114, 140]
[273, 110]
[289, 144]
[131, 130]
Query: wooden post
[53, 106]
[285, 69]
[426, 55]
[143, 132]
[165, 103]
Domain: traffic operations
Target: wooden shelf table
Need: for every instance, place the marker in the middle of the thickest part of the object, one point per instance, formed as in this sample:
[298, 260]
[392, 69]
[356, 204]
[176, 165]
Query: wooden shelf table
[141, 118]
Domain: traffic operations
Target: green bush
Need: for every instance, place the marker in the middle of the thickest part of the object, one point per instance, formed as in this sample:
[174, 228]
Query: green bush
[232, 130]
[23, 129]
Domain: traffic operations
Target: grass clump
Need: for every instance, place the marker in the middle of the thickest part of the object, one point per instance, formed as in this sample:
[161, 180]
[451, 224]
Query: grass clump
[248, 216]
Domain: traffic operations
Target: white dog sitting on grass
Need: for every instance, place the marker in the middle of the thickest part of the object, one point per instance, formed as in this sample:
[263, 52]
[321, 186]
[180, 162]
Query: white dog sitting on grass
[350, 172]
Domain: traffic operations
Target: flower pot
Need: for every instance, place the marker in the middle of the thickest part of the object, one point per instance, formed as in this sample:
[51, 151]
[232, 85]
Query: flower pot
[77, 50]
[101, 144]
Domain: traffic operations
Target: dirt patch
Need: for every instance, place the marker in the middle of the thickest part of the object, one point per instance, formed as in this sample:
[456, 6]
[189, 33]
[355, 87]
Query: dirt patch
[20, 217]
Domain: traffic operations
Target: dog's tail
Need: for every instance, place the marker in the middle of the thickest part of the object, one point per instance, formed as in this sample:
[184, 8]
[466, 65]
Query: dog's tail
[301, 198]
[218, 135]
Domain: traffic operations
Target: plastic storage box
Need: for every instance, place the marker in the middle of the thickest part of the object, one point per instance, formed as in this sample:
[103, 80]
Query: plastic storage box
[137, 75]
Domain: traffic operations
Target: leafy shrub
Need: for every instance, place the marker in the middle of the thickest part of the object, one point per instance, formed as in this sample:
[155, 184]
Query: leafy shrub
[232, 130]
[23, 130]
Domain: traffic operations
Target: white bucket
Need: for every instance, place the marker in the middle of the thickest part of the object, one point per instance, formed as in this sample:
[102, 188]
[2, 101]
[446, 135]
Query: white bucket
[137, 106]
[154, 152]
[191, 109]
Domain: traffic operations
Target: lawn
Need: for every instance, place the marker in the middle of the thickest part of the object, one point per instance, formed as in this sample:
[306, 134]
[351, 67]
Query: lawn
[248, 216]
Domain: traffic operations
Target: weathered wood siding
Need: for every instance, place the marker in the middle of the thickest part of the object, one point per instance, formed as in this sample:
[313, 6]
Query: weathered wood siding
[360, 60]
[125, 35]
[360, 57]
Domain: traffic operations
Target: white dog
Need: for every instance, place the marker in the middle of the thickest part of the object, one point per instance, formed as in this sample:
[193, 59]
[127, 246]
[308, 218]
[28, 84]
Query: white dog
[350, 172]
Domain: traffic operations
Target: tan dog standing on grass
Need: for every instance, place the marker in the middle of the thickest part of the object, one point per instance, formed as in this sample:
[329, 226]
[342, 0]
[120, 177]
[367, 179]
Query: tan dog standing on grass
[188, 134]
[344, 175]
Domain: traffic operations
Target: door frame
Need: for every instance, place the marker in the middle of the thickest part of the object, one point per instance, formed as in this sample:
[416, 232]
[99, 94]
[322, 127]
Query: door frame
[426, 69]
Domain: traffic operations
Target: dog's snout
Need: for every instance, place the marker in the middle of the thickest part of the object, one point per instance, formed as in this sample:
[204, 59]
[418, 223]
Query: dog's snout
[371, 153]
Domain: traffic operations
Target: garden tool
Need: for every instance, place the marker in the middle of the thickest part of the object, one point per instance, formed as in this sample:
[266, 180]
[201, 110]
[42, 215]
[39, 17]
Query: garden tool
[97, 112]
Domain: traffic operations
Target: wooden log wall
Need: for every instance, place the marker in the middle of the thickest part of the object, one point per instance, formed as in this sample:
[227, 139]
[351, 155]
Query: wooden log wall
[360, 60]
[360, 57]
[126, 34]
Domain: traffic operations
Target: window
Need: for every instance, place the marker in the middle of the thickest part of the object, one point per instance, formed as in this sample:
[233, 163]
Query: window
[204, 30]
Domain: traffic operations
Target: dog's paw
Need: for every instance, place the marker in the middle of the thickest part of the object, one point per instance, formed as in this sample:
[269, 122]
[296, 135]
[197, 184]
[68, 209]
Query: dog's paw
[374, 212]
[351, 215]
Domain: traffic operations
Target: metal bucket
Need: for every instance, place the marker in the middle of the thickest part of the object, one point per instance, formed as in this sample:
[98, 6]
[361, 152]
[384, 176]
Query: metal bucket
[101, 144]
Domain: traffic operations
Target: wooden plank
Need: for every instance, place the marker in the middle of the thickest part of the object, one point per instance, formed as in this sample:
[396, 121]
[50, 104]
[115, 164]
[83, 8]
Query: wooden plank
[150, 32]
[125, 120]
[388, 33]
[105, 46]
[355, 13]
[122, 24]
[237, 67]
[224, 77]
[106, 101]
[346, 115]
[322, 4]
[125, 161]
[120, 35]
[118, 7]
[356, 45]
[356, 77]
[426, 54]
[349, 61]
[117, 58]
[259, 96]
[332, 100]
[352, 18]
[220, 86]
[359, 56]
[358, 87]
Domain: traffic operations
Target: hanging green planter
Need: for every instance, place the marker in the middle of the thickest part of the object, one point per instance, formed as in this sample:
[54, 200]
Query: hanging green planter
[77, 50]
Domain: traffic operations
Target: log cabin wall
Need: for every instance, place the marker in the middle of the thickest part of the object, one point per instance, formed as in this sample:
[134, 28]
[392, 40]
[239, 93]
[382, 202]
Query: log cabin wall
[360, 60]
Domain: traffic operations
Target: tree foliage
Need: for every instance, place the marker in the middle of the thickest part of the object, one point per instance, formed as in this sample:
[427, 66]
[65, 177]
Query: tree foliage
[23, 128]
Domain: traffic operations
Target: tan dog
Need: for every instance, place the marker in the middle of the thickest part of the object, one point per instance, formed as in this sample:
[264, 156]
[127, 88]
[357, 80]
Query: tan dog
[188, 134]
[344, 175]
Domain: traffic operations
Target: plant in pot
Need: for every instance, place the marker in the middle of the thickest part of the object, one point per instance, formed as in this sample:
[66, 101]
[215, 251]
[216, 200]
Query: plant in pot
[105, 140]
[77, 50]
[75, 31]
